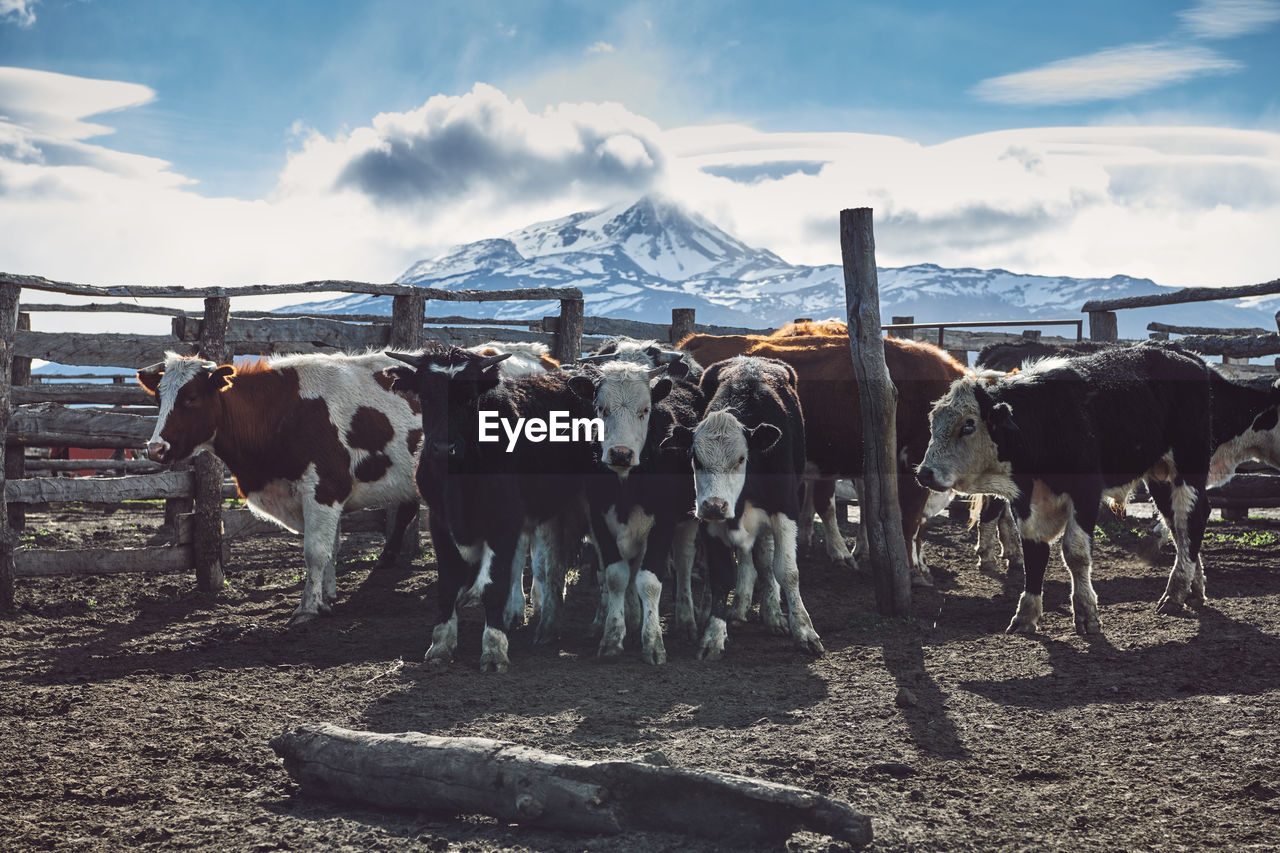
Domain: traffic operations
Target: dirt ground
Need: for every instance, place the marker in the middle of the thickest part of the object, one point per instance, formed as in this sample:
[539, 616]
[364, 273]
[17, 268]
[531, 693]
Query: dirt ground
[135, 712]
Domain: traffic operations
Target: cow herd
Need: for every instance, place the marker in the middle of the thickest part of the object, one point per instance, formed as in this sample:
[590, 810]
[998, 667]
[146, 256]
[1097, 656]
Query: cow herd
[725, 448]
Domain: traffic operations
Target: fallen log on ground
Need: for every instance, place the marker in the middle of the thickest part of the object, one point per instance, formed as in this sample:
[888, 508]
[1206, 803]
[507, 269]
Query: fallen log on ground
[514, 783]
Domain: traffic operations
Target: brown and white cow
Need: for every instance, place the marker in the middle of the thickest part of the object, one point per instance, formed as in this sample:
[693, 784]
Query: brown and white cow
[829, 395]
[305, 436]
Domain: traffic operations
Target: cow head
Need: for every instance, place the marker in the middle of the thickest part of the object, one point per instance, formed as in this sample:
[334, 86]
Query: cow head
[1259, 442]
[623, 394]
[720, 448]
[967, 430]
[187, 390]
[446, 381]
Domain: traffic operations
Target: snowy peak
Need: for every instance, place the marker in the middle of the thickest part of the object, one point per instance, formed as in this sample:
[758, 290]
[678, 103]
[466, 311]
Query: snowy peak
[482, 255]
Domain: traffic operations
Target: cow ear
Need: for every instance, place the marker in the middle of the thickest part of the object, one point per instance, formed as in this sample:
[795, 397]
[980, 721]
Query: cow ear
[149, 378]
[1001, 425]
[659, 390]
[403, 379]
[679, 437]
[761, 439]
[222, 376]
[678, 369]
[584, 386]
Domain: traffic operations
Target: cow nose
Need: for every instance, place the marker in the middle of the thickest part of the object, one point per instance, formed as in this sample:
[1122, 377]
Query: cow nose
[621, 456]
[927, 478]
[713, 509]
[156, 449]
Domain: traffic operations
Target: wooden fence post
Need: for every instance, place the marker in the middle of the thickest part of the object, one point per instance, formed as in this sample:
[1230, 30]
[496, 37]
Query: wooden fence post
[1102, 326]
[9, 296]
[15, 457]
[878, 399]
[407, 311]
[681, 324]
[902, 333]
[568, 340]
[209, 472]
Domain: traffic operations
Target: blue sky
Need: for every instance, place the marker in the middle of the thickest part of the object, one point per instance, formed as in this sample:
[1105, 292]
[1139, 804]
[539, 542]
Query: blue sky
[311, 139]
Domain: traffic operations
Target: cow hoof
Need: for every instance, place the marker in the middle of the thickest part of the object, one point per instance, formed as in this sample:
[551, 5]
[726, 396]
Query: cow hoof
[710, 653]
[1196, 600]
[493, 665]
[1019, 627]
[609, 649]
[655, 656]
[543, 634]
[812, 645]
[921, 578]
[1089, 625]
[438, 656]
[1169, 606]
[300, 617]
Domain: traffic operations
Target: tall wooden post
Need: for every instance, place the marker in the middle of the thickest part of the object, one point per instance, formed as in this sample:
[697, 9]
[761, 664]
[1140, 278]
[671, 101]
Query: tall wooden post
[878, 399]
[902, 333]
[209, 472]
[9, 296]
[15, 457]
[407, 311]
[568, 341]
[681, 324]
[1103, 326]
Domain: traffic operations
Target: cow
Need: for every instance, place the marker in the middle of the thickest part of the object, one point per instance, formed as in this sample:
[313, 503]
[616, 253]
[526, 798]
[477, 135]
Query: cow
[524, 357]
[305, 437]
[1061, 435]
[484, 496]
[640, 351]
[642, 511]
[747, 454]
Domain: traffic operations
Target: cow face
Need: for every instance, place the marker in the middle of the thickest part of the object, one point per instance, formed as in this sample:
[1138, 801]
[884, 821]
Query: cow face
[187, 389]
[445, 382]
[1260, 442]
[720, 448]
[623, 394]
[966, 430]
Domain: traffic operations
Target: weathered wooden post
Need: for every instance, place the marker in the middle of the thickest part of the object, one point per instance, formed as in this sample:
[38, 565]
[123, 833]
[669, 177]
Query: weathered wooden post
[681, 324]
[209, 473]
[1103, 326]
[407, 311]
[9, 296]
[568, 340]
[15, 457]
[909, 334]
[878, 399]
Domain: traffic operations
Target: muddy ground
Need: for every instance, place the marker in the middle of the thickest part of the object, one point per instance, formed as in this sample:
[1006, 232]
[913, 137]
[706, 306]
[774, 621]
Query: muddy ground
[135, 712]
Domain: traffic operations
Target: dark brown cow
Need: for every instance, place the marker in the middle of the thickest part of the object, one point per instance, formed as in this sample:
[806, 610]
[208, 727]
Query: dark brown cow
[832, 412]
[305, 438]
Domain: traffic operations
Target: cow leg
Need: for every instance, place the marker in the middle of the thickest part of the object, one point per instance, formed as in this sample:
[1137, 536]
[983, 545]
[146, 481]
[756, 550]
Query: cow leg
[1077, 553]
[764, 553]
[912, 499]
[1190, 514]
[494, 644]
[863, 547]
[513, 613]
[406, 513]
[319, 529]
[1010, 539]
[331, 573]
[613, 586]
[837, 550]
[648, 583]
[787, 575]
[745, 589]
[720, 568]
[684, 547]
[1031, 603]
[451, 570]
[1196, 523]
[548, 579]
[807, 506]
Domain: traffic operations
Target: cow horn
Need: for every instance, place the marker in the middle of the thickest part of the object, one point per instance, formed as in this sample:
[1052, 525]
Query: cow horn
[158, 367]
[661, 356]
[598, 359]
[490, 361]
[414, 361]
[657, 371]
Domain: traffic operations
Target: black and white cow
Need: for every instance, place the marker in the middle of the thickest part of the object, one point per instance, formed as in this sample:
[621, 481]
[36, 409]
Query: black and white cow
[1059, 436]
[748, 460]
[641, 512]
[485, 496]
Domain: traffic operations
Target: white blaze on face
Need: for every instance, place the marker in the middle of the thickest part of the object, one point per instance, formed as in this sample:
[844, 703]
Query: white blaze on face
[719, 462]
[178, 371]
[623, 401]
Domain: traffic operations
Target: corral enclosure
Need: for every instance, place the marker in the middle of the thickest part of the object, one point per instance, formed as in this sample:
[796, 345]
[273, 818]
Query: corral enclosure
[137, 711]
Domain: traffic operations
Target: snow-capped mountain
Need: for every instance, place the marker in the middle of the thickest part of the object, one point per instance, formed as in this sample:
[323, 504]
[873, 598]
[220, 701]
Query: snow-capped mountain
[639, 261]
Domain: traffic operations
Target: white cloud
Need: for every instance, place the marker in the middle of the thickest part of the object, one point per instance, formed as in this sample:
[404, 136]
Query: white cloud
[601, 47]
[1220, 19]
[1116, 72]
[1181, 205]
[20, 12]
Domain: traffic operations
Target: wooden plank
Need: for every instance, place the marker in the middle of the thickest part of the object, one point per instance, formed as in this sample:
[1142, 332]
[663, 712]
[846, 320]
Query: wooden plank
[309, 288]
[110, 307]
[1233, 347]
[614, 327]
[463, 337]
[103, 561]
[84, 392]
[243, 523]
[317, 331]
[127, 466]
[568, 338]
[99, 350]
[1187, 294]
[1201, 330]
[10, 294]
[139, 487]
[53, 425]
[878, 399]
[15, 458]
[1247, 490]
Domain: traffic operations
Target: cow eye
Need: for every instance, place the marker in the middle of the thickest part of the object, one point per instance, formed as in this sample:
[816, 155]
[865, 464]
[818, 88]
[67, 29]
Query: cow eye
[644, 414]
[604, 413]
[189, 399]
[968, 427]
[741, 459]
